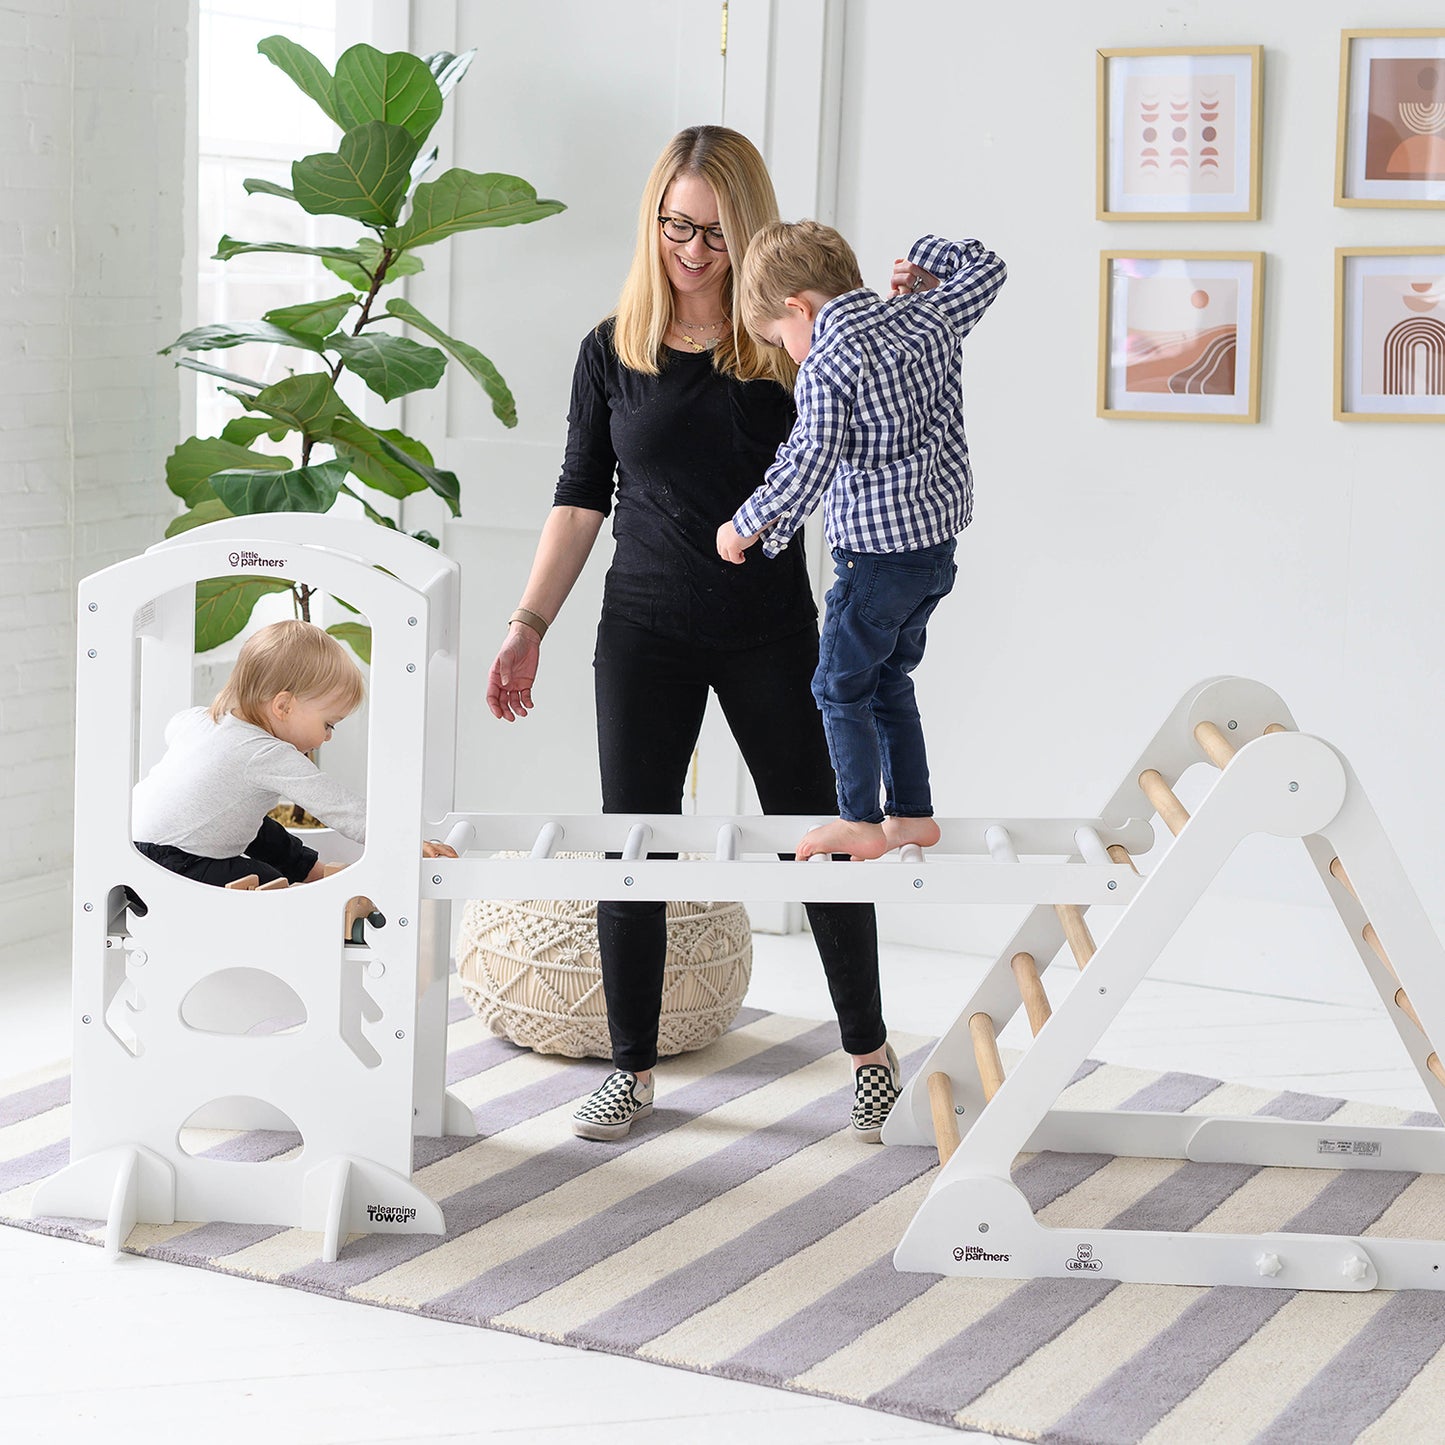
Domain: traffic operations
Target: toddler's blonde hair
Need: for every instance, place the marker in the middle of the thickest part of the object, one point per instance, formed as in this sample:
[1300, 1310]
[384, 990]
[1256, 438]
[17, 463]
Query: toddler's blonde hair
[787, 258]
[292, 656]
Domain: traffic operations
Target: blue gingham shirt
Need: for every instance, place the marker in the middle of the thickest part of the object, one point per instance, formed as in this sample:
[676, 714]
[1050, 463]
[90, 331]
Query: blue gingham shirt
[880, 414]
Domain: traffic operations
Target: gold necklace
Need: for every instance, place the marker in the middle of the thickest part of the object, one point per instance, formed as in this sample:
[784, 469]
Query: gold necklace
[684, 329]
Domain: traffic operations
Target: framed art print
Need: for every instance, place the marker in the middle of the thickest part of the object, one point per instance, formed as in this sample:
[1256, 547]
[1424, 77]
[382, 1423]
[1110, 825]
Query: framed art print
[1390, 149]
[1179, 133]
[1179, 335]
[1390, 333]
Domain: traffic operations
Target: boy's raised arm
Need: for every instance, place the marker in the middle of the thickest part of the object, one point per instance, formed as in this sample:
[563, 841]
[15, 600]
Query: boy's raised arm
[969, 277]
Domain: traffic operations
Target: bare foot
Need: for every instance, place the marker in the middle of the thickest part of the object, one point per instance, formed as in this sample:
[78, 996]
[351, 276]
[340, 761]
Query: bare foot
[922, 831]
[858, 840]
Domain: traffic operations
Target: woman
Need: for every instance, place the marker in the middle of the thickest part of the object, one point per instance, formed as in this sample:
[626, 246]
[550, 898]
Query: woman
[673, 399]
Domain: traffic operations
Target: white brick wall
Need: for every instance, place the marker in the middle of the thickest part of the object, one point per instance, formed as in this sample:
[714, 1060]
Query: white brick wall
[92, 169]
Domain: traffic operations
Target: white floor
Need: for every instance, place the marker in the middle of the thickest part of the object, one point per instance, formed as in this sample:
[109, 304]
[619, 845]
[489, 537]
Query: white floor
[137, 1349]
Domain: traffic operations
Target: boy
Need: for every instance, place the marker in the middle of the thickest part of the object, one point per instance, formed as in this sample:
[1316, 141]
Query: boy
[880, 431]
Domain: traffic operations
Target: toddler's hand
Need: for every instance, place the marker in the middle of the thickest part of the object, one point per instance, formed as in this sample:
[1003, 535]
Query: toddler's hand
[430, 848]
[731, 546]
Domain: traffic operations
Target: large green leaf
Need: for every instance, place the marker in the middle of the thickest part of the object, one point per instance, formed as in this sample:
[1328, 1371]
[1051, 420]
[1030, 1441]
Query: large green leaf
[361, 270]
[390, 365]
[212, 509]
[253, 186]
[397, 88]
[359, 446]
[240, 333]
[310, 75]
[393, 463]
[357, 636]
[304, 489]
[366, 177]
[313, 318]
[461, 200]
[307, 403]
[190, 467]
[243, 430]
[229, 246]
[223, 606]
[480, 367]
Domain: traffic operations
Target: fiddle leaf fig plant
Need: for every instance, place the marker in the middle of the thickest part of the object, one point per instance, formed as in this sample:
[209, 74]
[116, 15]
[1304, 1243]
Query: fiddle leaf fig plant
[386, 107]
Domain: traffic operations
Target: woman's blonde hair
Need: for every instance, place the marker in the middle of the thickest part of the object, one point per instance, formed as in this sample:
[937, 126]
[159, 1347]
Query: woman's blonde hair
[786, 259]
[295, 657]
[730, 164]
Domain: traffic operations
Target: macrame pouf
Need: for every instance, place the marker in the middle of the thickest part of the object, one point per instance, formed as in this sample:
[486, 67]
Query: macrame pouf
[531, 972]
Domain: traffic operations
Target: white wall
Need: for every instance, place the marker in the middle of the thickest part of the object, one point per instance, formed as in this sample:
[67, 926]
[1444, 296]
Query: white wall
[1113, 563]
[92, 127]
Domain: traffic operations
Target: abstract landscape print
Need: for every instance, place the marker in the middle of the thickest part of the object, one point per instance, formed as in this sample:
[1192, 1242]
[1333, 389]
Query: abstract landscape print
[1180, 336]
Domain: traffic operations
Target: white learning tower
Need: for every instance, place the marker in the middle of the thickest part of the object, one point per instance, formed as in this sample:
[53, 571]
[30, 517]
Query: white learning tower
[172, 978]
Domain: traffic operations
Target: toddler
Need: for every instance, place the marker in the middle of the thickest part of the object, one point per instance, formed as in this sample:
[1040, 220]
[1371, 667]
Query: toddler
[880, 433]
[202, 810]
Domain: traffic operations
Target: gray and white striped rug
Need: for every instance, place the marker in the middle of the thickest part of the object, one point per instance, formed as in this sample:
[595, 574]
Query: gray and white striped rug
[741, 1232]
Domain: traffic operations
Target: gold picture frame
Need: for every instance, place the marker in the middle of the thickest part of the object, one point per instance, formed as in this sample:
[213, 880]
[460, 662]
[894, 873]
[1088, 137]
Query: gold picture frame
[1180, 335]
[1390, 333]
[1178, 133]
[1390, 139]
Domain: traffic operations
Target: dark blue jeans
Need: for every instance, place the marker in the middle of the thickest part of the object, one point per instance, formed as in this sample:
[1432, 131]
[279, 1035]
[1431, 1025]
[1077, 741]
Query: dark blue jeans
[874, 633]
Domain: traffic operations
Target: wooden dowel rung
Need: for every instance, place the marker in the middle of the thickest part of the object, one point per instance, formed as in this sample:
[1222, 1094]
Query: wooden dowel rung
[1162, 800]
[1373, 939]
[1081, 941]
[985, 1053]
[251, 880]
[1436, 1067]
[1402, 1002]
[1214, 745]
[1120, 854]
[1031, 990]
[273, 884]
[1275, 728]
[945, 1125]
[1337, 871]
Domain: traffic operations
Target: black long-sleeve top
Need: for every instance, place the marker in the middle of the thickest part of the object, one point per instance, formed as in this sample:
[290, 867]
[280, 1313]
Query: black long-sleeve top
[686, 447]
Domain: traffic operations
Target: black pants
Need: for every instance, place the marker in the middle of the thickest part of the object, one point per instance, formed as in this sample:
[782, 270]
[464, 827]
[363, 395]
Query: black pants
[273, 853]
[651, 695]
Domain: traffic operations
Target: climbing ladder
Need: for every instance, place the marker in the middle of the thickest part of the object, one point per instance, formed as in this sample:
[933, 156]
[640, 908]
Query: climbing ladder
[1271, 779]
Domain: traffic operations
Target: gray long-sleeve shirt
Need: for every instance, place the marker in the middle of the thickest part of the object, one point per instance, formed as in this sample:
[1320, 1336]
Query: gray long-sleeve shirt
[216, 782]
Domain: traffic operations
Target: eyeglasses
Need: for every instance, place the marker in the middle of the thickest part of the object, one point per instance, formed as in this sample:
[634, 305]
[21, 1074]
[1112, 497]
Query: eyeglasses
[676, 229]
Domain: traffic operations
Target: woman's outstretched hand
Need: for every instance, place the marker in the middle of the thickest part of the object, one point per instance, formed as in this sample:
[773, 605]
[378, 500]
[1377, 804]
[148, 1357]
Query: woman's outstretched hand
[514, 670]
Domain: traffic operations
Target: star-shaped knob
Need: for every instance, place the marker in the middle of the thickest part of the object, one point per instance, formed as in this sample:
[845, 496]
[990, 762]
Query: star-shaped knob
[1355, 1268]
[1269, 1264]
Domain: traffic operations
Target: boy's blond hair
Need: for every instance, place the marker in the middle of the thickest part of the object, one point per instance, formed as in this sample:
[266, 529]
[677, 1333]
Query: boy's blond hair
[786, 259]
[295, 657]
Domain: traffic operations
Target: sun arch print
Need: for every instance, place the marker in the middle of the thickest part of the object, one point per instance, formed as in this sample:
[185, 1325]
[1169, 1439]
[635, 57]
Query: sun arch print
[1181, 135]
[1181, 336]
[1405, 127]
[1403, 334]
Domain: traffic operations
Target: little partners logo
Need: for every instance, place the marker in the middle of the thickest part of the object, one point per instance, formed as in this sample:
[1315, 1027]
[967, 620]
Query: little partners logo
[249, 561]
[390, 1214]
[1084, 1260]
[971, 1254]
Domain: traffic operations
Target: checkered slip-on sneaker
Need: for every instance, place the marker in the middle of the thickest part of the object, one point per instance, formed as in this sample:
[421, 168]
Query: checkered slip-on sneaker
[875, 1091]
[609, 1111]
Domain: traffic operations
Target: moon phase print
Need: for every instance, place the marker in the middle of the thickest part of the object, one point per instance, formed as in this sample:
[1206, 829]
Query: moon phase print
[1179, 134]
